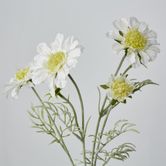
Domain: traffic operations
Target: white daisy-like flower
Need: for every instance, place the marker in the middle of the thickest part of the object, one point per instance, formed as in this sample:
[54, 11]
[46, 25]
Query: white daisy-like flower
[21, 78]
[135, 36]
[119, 88]
[54, 63]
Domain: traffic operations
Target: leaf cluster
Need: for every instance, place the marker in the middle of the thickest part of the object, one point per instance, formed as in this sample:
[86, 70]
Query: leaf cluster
[61, 118]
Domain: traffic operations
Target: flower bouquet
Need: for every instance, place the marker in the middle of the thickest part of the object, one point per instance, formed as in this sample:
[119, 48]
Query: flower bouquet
[57, 116]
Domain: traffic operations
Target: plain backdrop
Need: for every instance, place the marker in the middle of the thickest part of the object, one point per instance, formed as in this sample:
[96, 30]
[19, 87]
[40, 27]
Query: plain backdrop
[25, 23]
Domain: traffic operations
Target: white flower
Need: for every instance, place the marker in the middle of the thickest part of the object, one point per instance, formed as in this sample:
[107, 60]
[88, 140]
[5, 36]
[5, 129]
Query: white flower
[21, 78]
[54, 63]
[119, 88]
[137, 38]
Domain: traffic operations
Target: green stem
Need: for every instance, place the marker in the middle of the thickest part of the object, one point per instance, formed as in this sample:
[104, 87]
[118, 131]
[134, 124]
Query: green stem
[121, 62]
[106, 161]
[74, 111]
[103, 127]
[97, 129]
[107, 142]
[127, 69]
[62, 143]
[117, 71]
[105, 121]
[80, 98]
[95, 138]
[84, 151]
[83, 119]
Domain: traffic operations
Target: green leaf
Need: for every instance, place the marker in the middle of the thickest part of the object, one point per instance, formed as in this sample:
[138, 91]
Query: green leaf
[104, 86]
[57, 91]
[122, 151]
[117, 41]
[139, 85]
[54, 141]
[113, 102]
[124, 101]
[121, 33]
[86, 126]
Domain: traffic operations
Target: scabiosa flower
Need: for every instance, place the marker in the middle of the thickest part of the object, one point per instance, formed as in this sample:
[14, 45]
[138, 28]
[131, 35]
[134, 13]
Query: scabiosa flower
[135, 36]
[54, 63]
[21, 78]
[119, 88]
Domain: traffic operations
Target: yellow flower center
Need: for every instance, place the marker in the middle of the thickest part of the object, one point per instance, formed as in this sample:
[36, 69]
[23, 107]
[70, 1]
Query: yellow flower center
[121, 89]
[22, 73]
[56, 61]
[135, 39]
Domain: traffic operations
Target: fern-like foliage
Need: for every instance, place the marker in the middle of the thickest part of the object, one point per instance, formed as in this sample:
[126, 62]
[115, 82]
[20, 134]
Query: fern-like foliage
[120, 127]
[139, 85]
[122, 151]
[60, 123]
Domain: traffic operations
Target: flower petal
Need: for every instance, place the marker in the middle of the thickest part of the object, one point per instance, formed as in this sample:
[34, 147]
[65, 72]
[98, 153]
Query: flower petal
[132, 58]
[117, 47]
[52, 85]
[154, 48]
[152, 54]
[58, 42]
[152, 42]
[143, 27]
[144, 57]
[71, 63]
[121, 24]
[72, 43]
[38, 62]
[39, 76]
[15, 92]
[43, 49]
[60, 83]
[151, 34]
[134, 22]
[74, 53]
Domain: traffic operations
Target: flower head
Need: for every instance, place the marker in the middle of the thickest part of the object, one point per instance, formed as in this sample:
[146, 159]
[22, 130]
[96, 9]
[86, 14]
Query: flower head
[54, 63]
[137, 38]
[21, 78]
[119, 88]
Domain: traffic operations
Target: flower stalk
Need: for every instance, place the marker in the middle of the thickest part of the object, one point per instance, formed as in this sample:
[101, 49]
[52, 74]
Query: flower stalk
[106, 118]
[83, 119]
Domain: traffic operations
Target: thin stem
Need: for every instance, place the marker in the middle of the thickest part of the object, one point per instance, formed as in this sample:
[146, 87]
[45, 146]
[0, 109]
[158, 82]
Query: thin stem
[62, 143]
[108, 141]
[127, 69]
[74, 111]
[83, 119]
[106, 161]
[105, 99]
[105, 121]
[103, 127]
[97, 129]
[80, 98]
[95, 138]
[84, 151]
[121, 62]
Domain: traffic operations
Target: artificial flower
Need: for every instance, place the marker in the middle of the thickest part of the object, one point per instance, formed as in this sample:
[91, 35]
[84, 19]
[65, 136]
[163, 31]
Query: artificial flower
[135, 37]
[54, 63]
[21, 78]
[119, 88]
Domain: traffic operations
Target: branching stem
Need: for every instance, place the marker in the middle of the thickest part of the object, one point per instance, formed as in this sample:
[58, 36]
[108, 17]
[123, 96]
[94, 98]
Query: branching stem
[62, 143]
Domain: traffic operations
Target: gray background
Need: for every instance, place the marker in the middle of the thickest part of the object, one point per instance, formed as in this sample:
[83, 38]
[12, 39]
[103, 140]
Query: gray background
[24, 24]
